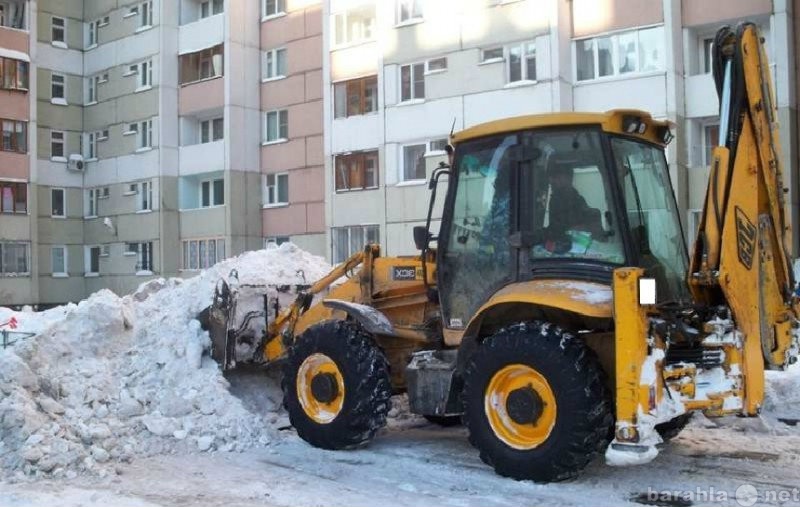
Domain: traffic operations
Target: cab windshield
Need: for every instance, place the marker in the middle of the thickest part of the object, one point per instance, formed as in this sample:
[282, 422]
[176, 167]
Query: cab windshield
[522, 201]
[652, 215]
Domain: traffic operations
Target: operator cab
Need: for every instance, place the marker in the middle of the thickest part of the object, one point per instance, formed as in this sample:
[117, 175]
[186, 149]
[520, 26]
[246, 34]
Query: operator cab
[562, 196]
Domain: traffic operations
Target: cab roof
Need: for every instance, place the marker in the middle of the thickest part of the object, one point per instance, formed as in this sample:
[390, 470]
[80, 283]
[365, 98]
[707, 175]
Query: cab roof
[610, 121]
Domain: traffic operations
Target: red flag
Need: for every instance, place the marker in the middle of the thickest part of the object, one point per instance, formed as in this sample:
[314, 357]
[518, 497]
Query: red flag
[13, 323]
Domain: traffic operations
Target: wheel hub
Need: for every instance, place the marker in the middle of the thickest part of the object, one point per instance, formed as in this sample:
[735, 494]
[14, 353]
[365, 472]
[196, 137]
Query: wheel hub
[320, 388]
[520, 406]
[324, 387]
[524, 405]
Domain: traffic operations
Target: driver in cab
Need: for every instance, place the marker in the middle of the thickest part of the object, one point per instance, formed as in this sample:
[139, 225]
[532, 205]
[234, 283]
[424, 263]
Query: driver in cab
[566, 210]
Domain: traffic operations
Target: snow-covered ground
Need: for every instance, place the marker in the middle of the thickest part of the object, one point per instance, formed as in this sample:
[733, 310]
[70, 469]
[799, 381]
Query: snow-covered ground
[417, 464]
[115, 403]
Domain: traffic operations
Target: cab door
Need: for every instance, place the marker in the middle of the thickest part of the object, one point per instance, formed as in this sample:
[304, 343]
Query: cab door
[479, 246]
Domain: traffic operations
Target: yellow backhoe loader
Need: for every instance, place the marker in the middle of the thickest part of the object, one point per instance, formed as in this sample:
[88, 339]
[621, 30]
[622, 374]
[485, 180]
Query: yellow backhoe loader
[556, 311]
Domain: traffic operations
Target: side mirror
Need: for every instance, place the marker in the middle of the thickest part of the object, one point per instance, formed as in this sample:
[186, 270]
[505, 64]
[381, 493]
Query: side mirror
[421, 237]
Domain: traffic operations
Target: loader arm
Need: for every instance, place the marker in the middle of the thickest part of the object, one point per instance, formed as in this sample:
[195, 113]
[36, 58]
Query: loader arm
[741, 257]
[284, 323]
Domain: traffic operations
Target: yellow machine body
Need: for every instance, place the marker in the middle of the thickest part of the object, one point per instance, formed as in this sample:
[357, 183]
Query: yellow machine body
[740, 262]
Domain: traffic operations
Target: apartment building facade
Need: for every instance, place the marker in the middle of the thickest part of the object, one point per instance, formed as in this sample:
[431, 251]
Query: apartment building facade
[18, 228]
[153, 138]
[401, 74]
[292, 160]
[137, 132]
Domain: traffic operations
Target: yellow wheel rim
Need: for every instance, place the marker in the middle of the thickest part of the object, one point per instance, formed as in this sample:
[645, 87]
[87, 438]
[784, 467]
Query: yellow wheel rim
[515, 424]
[320, 367]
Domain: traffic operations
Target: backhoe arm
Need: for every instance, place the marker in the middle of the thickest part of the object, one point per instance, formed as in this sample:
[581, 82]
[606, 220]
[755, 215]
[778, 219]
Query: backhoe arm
[741, 257]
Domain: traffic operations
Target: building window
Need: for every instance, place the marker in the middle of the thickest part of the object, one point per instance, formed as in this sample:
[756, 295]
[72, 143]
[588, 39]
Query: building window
[146, 15]
[14, 258]
[202, 253]
[276, 126]
[12, 14]
[212, 193]
[522, 62]
[492, 55]
[409, 10]
[15, 136]
[414, 161]
[274, 7]
[57, 88]
[354, 25]
[145, 73]
[92, 260]
[145, 131]
[94, 83]
[91, 145]
[211, 130]
[436, 65]
[277, 189]
[13, 197]
[205, 64]
[274, 64]
[354, 97]
[57, 31]
[211, 8]
[58, 261]
[14, 74]
[276, 241]
[437, 146]
[706, 58]
[92, 197]
[412, 82]
[145, 191]
[56, 144]
[57, 203]
[94, 32]
[622, 53]
[356, 171]
[144, 256]
[710, 139]
[349, 240]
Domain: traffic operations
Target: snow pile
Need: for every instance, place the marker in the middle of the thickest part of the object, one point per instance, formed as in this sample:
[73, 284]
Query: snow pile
[114, 378]
[782, 396]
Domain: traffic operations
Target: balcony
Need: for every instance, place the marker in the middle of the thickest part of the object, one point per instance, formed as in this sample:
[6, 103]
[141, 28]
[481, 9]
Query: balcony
[197, 10]
[200, 77]
[201, 191]
[199, 31]
[200, 158]
[202, 64]
[14, 165]
[201, 95]
[701, 96]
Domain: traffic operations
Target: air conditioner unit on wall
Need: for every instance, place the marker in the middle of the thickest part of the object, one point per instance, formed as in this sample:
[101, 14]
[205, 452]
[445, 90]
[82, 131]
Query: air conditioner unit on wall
[76, 163]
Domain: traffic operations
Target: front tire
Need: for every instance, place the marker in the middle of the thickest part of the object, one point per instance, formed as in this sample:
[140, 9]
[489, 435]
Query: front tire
[336, 385]
[535, 403]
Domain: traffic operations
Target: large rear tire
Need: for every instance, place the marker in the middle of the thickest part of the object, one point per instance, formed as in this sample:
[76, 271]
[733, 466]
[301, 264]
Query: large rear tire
[336, 385]
[535, 403]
